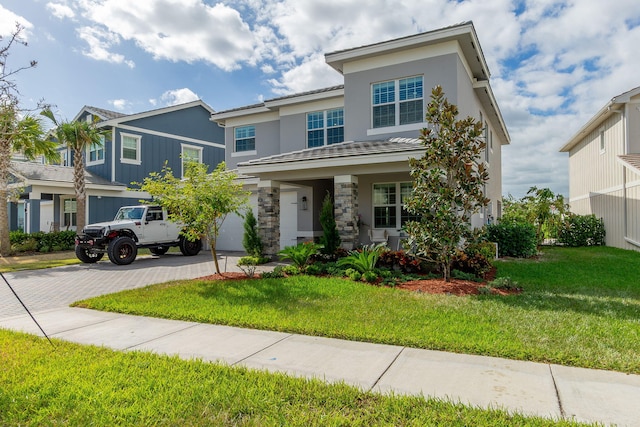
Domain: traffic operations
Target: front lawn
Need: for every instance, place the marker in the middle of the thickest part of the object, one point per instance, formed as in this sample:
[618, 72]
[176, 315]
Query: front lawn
[580, 307]
[84, 385]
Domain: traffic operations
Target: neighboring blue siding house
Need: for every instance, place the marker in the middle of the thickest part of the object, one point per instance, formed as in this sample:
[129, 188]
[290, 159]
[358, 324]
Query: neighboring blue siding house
[138, 145]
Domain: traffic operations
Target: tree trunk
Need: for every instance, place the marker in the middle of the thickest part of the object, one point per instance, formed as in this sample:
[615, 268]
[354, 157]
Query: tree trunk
[5, 158]
[79, 186]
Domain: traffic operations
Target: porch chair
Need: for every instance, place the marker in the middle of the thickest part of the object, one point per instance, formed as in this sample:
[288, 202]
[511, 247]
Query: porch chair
[378, 235]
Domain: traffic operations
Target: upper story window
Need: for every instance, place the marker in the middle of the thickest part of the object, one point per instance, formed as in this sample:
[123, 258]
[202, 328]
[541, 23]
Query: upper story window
[130, 149]
[325, 127]
[95, 153]
[602, 144]
[397, 102]
[190, 153]
[245, 138]
[388, 208]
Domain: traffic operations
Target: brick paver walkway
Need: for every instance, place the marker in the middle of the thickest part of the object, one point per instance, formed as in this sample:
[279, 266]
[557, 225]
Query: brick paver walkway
[59, 287]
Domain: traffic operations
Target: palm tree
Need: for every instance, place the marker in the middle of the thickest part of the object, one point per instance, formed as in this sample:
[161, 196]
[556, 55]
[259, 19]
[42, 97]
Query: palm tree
[77, 136]
[18, 135]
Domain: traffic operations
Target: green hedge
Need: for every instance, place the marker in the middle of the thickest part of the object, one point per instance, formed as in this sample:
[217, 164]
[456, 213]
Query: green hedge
[514, 239]
[582, 230]
[41, 241]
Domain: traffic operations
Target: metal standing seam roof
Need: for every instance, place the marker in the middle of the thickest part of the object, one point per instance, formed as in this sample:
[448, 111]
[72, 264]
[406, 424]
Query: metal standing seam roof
[344, 149]
[38, 172]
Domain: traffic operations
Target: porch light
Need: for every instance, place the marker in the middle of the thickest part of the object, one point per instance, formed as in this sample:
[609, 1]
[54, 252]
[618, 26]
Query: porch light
[304, 203]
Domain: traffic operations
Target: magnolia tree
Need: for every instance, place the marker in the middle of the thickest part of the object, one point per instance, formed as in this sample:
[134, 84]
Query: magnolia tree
[448, 183]
[201, 201]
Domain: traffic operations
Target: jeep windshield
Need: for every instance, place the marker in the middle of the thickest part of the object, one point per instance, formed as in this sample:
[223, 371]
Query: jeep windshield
[129, 213]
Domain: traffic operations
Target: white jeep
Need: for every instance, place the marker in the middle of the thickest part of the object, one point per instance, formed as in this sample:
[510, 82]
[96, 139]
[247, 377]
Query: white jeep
[142, 226]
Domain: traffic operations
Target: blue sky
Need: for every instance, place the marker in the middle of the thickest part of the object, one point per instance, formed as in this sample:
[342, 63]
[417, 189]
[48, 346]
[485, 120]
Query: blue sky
[554, 63]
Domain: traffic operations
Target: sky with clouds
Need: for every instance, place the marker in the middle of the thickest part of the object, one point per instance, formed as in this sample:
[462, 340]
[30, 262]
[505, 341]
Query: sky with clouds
[554, 63]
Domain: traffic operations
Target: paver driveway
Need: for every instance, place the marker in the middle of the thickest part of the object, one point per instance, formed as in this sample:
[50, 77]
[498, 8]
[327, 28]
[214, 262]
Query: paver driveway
[59, 287]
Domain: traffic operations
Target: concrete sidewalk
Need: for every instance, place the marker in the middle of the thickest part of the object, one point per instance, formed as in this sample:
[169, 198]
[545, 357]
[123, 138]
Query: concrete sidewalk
[545, 390]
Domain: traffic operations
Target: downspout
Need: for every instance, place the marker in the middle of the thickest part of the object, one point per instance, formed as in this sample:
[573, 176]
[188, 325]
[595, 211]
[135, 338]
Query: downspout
[625, 202]
[113, 154]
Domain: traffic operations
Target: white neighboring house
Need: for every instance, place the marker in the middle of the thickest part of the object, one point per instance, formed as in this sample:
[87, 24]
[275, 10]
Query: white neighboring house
[604, 169]
[353, 141]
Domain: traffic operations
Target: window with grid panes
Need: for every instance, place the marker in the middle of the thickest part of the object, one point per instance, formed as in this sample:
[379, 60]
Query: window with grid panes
[245, 138]
[398, 102]
[325, 127]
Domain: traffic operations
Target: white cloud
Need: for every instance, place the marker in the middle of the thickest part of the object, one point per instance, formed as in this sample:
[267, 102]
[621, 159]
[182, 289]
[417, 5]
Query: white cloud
[178, 30]
[313, 73]
[178, 96]
[8, 21]
[100, 44]
[120, 104]
[60, 10]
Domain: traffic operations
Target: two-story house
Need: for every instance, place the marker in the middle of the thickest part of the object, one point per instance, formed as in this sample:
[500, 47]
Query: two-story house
[137, 145]
[354, 141]
[604, 169]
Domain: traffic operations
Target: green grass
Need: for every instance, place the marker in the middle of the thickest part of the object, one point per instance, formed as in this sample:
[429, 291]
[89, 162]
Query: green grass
[41, 261]
[37, 261]
[580, 307]
[84, 385]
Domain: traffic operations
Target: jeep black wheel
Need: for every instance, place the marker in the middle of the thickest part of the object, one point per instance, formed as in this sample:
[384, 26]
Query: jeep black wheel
[88, 257]
[159, 250]
[189, 248]
[122, 250]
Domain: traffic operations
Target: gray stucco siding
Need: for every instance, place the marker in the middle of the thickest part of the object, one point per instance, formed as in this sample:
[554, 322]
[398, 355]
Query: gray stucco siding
[267, 143]
[440, 70]
[192, 122]
[293, 132]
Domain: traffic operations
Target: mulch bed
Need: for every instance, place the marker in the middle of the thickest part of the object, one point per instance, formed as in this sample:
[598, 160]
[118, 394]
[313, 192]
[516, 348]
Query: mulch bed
[431, 286]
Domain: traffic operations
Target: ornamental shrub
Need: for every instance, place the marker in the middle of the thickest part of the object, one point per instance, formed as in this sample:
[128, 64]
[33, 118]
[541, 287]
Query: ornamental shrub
[300, 254]
[514, 239]
[330, 239]
[251, 239]
[582, 230]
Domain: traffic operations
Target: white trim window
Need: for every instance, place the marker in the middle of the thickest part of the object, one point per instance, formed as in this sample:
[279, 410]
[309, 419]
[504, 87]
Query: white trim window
[130, 148]
[69, 213]
[95, 153]
[190, 153]
[325, 127]
[388, 208]
[603, 147]
[244, 139]
[397, 102]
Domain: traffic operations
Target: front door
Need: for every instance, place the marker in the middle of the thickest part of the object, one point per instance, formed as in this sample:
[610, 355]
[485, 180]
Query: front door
[288, 218]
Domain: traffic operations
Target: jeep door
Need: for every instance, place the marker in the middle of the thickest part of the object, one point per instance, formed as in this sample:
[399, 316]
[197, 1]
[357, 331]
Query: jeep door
[155, 226]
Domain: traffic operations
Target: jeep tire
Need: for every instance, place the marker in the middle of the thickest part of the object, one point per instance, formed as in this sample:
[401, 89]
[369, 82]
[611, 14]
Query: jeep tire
[88, 257]
[189, 248]
[122, 250]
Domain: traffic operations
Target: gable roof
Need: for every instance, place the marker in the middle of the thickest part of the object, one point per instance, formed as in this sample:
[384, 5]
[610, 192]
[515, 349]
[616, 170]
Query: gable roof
[113, 118]
[29, 172]
[615, 105]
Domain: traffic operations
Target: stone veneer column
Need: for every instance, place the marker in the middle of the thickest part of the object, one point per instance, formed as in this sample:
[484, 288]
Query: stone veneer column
[346, 209]
[269, 216]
